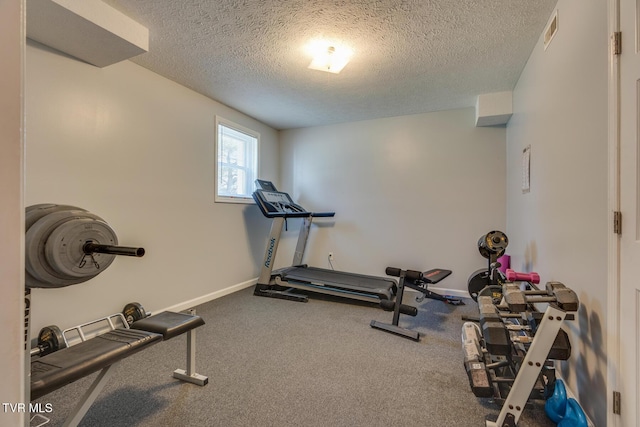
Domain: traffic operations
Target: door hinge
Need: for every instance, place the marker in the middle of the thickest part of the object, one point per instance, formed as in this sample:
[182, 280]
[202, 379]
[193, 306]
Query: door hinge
[617, 222]
[616, 40]
[616, 402]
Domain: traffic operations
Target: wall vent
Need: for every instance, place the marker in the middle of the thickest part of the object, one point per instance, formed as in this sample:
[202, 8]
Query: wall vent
[551, 30]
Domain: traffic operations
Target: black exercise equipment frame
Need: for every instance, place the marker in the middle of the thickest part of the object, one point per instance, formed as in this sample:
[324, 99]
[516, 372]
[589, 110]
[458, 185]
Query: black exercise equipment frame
[418, 281]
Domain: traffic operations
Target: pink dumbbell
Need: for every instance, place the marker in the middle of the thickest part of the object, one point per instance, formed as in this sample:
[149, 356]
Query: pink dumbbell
[513, 276]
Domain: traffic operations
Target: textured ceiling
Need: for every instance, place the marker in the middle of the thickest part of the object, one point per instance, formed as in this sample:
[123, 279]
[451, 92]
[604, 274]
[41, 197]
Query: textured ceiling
[410, 56]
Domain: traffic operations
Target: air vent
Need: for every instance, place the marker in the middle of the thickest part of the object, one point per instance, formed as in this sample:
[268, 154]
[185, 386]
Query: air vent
[551, 30]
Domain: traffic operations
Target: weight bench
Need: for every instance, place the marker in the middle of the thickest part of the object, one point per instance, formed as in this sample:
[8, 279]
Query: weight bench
[102, 351]
[169, 325]
[415, 280]
[432, 277]
[65, 366]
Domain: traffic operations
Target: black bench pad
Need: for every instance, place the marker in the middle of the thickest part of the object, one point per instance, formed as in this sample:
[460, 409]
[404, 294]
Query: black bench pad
[65, 366]
[435, 275]
[168, 323]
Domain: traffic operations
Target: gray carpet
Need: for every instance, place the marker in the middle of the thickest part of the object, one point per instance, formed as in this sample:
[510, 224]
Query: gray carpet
[280, 363]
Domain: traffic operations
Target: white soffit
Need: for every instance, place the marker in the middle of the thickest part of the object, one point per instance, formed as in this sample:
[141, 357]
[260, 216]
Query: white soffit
[493, 109]
[89, 30]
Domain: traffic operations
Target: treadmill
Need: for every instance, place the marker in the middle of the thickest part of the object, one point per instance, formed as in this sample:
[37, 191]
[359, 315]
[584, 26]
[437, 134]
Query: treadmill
[280, 283]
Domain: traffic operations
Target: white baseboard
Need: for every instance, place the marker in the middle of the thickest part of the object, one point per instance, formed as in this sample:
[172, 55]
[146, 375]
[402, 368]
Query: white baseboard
[209, 297]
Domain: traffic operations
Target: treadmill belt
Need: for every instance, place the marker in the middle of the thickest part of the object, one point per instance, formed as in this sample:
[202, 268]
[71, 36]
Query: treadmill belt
[339, 279]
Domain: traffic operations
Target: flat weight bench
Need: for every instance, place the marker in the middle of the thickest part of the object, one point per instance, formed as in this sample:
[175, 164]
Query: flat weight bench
[102, 352]
[169, 325]
[65, 366]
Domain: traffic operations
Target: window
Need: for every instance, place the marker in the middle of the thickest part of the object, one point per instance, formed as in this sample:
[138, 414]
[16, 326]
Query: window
[237, 162]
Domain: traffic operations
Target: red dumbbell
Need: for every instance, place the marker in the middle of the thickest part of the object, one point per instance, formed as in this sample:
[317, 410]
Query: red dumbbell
[513, 276]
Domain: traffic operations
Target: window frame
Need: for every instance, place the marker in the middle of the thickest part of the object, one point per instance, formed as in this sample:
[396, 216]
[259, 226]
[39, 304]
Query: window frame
[221, 198]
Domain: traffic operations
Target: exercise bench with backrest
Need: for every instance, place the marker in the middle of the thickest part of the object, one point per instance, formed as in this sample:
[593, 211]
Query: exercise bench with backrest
[418, 281]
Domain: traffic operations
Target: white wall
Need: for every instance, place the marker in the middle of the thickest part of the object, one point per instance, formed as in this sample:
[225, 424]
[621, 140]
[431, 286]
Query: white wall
[414, 192]
[137, 150]
[12, 357]
[560, 228]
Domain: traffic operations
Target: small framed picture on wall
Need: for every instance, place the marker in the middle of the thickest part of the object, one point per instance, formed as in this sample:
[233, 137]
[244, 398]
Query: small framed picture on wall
[526, 169]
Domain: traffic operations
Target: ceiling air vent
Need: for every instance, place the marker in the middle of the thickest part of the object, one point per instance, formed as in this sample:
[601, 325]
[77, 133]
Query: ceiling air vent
[551, 30]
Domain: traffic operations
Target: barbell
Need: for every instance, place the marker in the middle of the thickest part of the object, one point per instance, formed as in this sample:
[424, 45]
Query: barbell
[66, 245]
[50, 339]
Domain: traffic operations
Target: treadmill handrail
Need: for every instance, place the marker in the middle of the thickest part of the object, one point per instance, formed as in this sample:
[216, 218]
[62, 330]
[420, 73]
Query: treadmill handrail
[323, 214]
[287, 214]
[283, 206]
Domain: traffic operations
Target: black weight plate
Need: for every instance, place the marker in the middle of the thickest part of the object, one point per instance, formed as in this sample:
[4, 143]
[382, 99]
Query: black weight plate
[50, 339]
[133, 311]
[493, 243]
[478, 280]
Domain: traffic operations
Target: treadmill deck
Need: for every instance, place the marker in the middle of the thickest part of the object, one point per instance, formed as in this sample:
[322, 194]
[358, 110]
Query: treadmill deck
[341, 281]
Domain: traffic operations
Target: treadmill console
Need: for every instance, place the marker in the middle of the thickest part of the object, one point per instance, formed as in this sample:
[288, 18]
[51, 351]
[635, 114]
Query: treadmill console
[265, 185]
[274, 203]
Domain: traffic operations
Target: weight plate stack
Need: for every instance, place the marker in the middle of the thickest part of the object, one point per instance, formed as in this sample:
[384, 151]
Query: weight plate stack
[55, 236]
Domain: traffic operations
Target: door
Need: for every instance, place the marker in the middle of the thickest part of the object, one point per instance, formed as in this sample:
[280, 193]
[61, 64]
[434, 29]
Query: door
[629, 369]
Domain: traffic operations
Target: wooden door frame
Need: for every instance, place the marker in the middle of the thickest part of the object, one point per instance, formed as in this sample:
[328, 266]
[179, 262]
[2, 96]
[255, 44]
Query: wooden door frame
[613, 263]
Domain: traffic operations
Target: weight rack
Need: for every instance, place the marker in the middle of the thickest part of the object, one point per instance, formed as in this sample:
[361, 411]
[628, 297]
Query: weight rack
[509, 355]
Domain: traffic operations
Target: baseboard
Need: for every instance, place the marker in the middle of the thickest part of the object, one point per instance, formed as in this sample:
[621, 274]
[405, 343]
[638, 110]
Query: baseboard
[209, 297]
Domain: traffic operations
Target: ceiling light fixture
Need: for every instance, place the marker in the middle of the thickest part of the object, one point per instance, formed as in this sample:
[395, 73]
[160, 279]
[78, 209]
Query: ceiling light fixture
[328, 57]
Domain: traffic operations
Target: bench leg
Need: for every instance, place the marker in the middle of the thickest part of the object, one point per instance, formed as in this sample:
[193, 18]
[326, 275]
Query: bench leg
[190, 374]
[89, 397]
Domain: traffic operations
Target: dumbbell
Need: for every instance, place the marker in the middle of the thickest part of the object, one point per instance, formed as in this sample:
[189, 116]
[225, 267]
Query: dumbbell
[513, 276]
[554, 292]
[50, 339]
[494, 331]
[479, 379]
